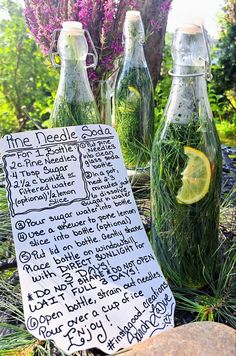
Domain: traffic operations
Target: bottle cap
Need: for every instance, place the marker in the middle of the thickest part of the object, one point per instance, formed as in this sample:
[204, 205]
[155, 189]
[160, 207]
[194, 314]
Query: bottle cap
[133, 16]
[133, 27]
[190, 29]
[72, 27]
[191, 25]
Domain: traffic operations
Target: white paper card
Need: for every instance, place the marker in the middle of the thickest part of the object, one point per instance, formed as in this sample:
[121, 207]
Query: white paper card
[88, 274]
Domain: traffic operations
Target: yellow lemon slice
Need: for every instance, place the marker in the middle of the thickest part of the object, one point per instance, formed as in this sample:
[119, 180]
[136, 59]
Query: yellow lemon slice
[196, 177]
[134, 90]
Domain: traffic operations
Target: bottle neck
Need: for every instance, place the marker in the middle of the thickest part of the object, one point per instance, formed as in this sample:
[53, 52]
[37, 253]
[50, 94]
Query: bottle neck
[74, 84]
[134, 53]
[188, 98]
[73, 69]
[180, 69]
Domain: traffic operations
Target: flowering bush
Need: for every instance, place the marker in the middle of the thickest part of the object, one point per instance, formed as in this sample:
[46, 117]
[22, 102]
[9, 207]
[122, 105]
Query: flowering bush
[156, 23]
[103, 19]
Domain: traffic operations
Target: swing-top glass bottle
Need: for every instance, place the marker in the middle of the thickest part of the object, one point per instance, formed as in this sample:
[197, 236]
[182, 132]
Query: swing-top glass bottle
[186, 168]
[134, 99]
[74, 103]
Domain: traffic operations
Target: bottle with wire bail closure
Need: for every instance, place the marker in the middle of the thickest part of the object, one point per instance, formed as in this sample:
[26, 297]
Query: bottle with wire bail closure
[74, 103]
[134, 108]
[186, 168]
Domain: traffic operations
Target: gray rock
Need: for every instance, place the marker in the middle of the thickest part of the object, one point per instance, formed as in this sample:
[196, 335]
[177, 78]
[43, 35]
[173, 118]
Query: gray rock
[195, 339]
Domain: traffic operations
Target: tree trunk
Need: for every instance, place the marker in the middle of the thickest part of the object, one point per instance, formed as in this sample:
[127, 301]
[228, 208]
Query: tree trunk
[155, 43]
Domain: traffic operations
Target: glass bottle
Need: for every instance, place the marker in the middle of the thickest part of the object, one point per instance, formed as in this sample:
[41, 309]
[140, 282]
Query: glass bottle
[74, 103]
[186, 168]
[133, 100]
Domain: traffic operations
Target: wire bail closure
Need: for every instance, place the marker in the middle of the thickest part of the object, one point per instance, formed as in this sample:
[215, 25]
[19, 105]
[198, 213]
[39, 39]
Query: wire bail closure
[94, 54]
[53, 54]
[207, 62]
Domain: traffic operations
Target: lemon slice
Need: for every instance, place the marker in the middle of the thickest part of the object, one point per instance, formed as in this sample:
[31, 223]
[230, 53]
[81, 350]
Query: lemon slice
[196, 177]
[134, 90]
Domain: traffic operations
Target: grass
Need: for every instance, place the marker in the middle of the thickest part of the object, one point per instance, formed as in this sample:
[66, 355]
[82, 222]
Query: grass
[227, 133]
[218, 301]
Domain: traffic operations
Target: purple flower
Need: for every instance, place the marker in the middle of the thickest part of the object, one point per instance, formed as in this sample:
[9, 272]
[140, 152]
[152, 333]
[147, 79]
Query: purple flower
[102, 18]
[165, 6]
[43, 17]
[156, 23]
[109, 16]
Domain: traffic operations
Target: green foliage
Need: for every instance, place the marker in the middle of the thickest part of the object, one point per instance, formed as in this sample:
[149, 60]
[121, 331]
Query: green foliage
[26, 81]
[222, 100]
[18, 342]
[222, 90]
[223, 103]
[163, 87]
[226, 50]
[8, 120]
[226, 129]
[224, 113]
[218, 303]
[226, 73]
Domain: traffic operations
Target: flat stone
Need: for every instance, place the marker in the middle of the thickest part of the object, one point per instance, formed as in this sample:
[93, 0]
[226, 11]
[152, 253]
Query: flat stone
[195, 339]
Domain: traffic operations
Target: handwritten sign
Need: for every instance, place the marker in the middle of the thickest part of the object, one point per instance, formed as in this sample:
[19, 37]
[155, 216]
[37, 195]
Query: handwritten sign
[88, 274]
